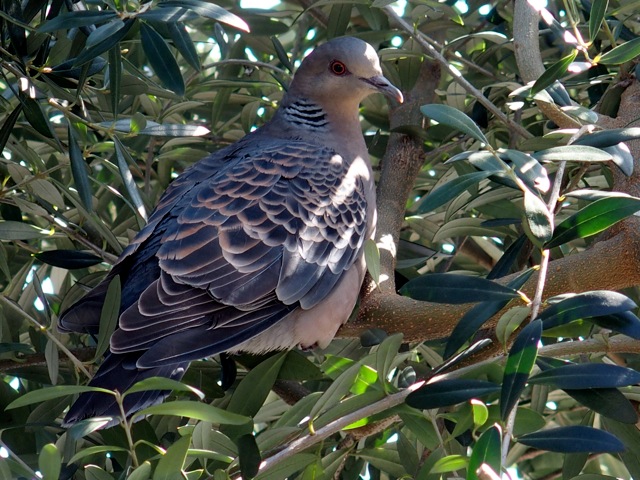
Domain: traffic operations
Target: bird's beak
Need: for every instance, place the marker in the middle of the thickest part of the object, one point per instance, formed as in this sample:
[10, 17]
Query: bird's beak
[385, 87]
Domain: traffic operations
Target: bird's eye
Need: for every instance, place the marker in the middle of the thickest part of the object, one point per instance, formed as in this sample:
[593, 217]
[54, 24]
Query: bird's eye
[338, 68]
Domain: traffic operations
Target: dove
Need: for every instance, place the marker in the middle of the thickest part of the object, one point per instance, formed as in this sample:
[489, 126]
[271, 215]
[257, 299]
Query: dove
[255, 248]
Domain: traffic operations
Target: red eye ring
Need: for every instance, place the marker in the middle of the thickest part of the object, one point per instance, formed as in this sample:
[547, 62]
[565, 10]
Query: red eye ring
[338, 68]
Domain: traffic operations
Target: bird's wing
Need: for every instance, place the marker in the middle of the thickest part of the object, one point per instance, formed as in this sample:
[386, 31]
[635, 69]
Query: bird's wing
[273, 232]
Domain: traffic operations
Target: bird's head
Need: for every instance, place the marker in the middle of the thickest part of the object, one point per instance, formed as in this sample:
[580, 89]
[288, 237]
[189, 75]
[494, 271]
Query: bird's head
[343, 68]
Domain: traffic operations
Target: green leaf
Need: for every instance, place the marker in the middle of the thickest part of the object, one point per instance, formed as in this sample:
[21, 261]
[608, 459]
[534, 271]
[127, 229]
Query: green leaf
[79, 170]
[386, 356]
[70, 20]
[50, 462]
[161, 59]
[108, 316]
[538, 219]
[456, 289]
[93, 472]
[553, 73]
[35, 116]
[143, 472]
[596, 15]
[123, 158]
[455, 119]
[170, 464]
[487, 450]
[452, 189]
[623, 322]
[587, 375]
[162, 383]
[472, 320]
[608, 402]
[573, 439]
[585, 305]
[594, 218]
[69, 259]
[608, 138]
[621, 54]
[622, 157]
[38, 396]
[195, 410]
[336, 391]
[168, 14]
[529, 170]
[12, 230]
[286, 469]
[522, 357]
[174, 130]
[449, 463]
[510, 321]
[115, 78]
[253, 390]
[86, 452]
[209, 10]
[183, 42]
[7, 127]
[449, 392]
[572, 153]
[372, 259]
[105, 40]
[249, 456]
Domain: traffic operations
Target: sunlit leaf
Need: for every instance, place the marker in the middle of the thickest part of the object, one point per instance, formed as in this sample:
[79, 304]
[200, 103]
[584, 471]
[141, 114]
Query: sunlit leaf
[596, 15]
[195, 410]
[487, 450]
[621, 54]
[38, 396]
[50, 462]
[170, 464]
[594, 218]
[521, 359]
[451, 190]
[450, 392]
[585, 305]
[553, 72]
[455, 119]
[588, 375]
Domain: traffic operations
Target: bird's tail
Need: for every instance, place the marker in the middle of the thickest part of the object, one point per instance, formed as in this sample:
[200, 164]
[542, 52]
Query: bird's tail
[119, 373]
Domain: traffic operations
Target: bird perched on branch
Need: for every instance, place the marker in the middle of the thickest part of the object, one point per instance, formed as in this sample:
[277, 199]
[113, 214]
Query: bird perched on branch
[257, 247]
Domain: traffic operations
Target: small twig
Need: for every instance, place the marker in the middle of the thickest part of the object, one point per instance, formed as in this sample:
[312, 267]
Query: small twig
[7, 302]
[457, 76]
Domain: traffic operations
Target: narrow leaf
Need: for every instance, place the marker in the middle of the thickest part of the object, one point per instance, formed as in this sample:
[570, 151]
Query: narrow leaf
[450, 392]
[109, 41]
[127, 178]
[174, 130]
[485, 451]
[585, 305]
[50, 462]
[573, 439]
[161, 58]
[12, 230]
[596, 15]
[553, 73]
[183, 42]
[372, 259]
[170, 464]
[249, 455]
[35, 116]
[520, 361]
[69, 259]
[473, 320]
[608, 138]
[455, 119]
[538, 219]
[162, 383]
[108, 316]
[7, 127]
[594, 218]
[456, 289]
[572, 153]
[529, 170]
[622, 157]
[39, 396]
[452, 189]
[622, 53]
[79, 170]
[588, 375]
[209, 10]
[70, 20]
[622, 322]
[195, 410]
[115, 78]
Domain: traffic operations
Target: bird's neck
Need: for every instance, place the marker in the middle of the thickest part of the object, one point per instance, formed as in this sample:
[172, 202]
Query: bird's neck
[308, 119]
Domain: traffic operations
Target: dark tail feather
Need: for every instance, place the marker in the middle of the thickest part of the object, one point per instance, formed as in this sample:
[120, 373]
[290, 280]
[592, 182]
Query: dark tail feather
[119, 372]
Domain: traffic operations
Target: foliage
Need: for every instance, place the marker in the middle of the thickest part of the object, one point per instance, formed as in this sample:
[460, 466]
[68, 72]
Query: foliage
[104, 103]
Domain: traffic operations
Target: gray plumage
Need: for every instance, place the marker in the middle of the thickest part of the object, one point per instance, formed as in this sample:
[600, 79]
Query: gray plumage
[257, 247]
